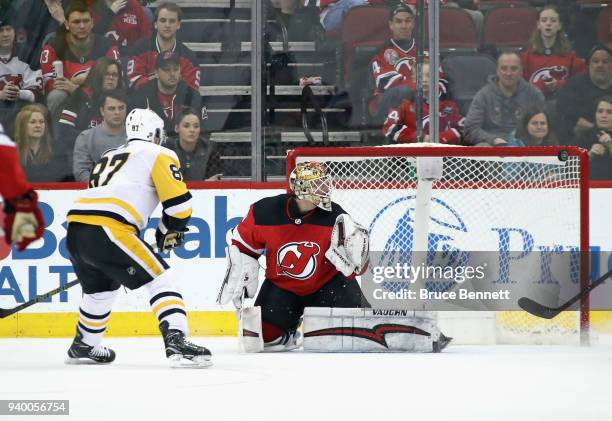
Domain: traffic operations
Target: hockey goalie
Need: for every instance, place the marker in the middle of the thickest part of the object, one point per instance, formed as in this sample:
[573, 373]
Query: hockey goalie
[23, 221]
[313, 250]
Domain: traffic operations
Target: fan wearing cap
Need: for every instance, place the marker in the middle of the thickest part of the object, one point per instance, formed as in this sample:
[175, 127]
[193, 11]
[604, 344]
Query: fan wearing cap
[577, 99]
[393, 65]
[19, 84]
[141, 66]
[167, 94]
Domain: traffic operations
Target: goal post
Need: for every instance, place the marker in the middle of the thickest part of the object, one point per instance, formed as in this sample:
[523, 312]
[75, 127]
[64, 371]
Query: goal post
[526, 209]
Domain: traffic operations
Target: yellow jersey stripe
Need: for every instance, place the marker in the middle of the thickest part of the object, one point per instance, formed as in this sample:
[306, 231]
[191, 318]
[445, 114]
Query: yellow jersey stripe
[113, 201]
[103, 221]
[167, 177]
[137, 251]
[182, 215]
[168, 303]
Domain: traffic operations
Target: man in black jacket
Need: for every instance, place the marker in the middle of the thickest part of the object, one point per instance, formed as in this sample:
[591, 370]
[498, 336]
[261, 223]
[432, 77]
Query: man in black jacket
[167, 93]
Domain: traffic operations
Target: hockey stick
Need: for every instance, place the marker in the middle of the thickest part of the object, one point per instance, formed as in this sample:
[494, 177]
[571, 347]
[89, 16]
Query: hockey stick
[5, 312]
[545, 312]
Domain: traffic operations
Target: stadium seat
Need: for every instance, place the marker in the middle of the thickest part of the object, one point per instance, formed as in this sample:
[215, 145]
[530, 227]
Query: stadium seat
[466, 74]
[509, 27]
[457, 30]
[604, 34]
[365, 28]
[487, 5]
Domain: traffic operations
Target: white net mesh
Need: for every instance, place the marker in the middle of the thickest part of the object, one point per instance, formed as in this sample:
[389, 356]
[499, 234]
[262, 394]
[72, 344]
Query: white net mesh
[503, 204]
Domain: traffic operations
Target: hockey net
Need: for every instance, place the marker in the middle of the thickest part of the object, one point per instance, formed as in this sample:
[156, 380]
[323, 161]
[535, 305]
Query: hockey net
[499, 200]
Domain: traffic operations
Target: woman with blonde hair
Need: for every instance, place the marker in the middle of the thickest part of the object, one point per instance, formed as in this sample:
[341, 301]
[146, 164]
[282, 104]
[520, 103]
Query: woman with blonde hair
[550, 60]
[35, 145]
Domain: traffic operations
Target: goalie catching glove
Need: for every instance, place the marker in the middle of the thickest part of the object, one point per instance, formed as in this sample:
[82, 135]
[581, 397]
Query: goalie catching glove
[167, 239]
[23, 221]
[349, 247]
[241, 276]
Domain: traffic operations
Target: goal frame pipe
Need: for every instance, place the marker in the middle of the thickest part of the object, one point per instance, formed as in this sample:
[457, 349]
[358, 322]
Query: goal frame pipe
[417, 150]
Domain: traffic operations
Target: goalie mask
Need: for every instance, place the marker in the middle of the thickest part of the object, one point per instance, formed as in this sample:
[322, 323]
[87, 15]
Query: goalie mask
[145, 124]
[309, 181]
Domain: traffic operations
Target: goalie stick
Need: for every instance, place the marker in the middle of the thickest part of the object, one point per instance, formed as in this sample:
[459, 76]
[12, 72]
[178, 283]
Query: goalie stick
[545, 312]
[5, 312]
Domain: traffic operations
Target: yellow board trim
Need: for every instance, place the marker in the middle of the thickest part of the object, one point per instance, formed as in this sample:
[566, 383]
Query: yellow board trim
[117, 202]
[121, 324]
[201, 323]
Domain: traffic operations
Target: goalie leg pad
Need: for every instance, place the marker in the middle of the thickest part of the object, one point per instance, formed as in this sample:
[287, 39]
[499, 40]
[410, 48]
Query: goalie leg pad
[241, 277]
[365, 330]
[250, 337]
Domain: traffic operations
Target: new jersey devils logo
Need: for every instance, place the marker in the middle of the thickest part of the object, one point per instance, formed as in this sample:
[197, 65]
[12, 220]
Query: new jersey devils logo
[297, 260]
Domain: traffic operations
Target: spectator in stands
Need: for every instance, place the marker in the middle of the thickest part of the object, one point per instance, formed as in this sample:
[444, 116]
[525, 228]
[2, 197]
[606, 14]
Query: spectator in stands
[122, 22]
[598, 140]
[92, 143]
[35, 144]
[34, 22]
[300, 22]
[19, 84]
[576, 100]
[550, 60]
[499, 105]
[534, 129]
[199, 157]
[167, 93]
[393, 65]
[333, 11]
[141, 67]
[400, 126]
[81, 110]
[77, 47]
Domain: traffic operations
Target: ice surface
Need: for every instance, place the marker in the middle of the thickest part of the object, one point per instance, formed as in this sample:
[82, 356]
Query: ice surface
[488, 383]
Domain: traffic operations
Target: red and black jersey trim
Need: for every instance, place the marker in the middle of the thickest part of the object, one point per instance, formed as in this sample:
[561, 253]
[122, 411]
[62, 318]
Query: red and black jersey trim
[282, 209]
[376, 334]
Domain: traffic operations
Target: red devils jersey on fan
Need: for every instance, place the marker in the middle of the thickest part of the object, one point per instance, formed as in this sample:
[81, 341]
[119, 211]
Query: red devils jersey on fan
[400, 125]
[537, 68]
[141, 67]
[12, 179]
[124, 28]
[393, 66]
[73, 65]
[294, 246]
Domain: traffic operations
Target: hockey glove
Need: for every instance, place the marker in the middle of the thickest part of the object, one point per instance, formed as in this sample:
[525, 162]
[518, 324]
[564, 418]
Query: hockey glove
[349, 247]
[23, 221]
[168, 239]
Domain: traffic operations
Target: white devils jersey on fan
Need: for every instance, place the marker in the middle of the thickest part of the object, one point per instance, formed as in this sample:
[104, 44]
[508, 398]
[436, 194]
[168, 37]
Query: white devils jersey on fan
[128, 183]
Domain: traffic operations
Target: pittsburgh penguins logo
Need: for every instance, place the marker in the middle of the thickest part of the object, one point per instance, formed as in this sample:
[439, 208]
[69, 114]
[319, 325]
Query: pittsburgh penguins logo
[297, 260]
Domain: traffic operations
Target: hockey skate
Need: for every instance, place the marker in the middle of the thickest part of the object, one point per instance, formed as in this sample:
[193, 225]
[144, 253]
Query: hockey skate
[81, 353]
[288, 342]
[182, 353]
[441, 343]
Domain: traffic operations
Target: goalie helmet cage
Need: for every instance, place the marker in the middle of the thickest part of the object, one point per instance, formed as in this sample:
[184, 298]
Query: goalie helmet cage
[461, 193]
